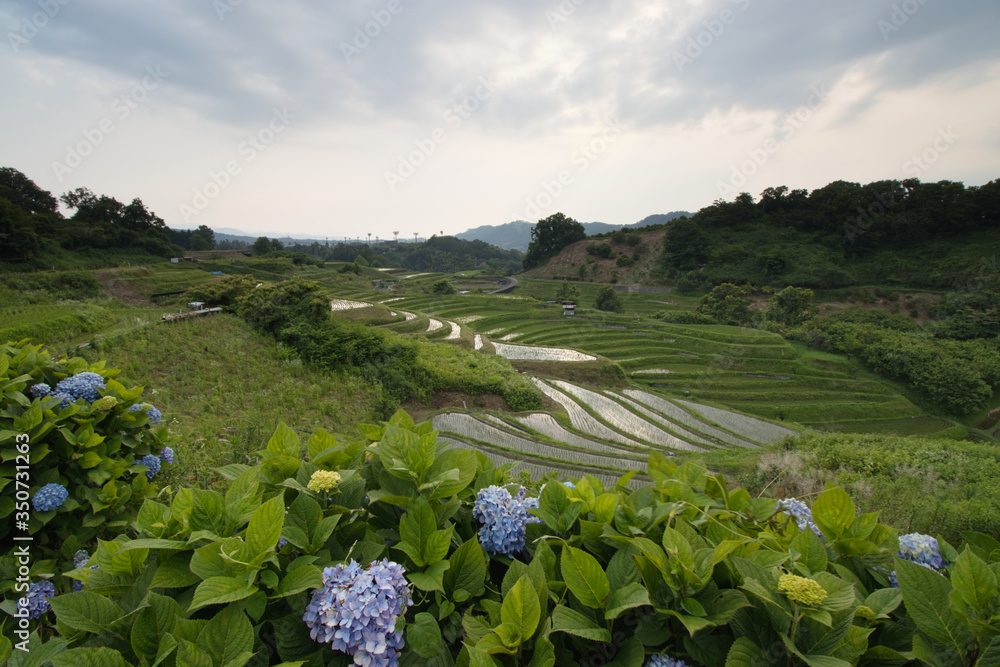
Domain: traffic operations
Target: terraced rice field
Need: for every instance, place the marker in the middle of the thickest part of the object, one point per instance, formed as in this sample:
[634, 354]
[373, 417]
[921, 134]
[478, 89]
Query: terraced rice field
[455, 333]
[348, 304]
[532, 353]
[434, 325]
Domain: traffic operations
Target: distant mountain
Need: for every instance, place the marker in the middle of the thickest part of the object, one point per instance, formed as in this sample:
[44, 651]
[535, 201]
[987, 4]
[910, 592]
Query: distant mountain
[517, 235]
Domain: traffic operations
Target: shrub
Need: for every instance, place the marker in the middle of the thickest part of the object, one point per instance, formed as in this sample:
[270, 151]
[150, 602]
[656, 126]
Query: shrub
[689, 566]
[72, 443]
[602, 250]
[608, 300]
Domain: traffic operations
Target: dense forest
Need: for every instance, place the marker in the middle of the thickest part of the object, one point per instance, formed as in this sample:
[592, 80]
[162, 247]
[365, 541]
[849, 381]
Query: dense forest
[841, 234]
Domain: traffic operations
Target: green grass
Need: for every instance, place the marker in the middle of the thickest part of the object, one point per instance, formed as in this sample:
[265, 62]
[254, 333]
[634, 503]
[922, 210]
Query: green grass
[223, 388]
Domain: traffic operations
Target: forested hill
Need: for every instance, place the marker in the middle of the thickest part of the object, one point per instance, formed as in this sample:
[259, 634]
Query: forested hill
[517, 235]
[896, 232]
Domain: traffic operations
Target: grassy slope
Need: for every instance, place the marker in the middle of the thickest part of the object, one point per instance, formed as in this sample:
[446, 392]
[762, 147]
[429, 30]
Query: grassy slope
[223, 388]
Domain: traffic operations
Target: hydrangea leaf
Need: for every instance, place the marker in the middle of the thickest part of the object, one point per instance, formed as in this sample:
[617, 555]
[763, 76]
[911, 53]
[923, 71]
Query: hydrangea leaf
[975, 582]
[220, 590]
[467, 569]
[298, 580]
[423, 635]
[627, 597]
[574, 623]
[925, 594]
[284, 441]
[585, 577]
[431, 578]
[813, 552]
[265, 525]
[227, 636]
[85, 611]
[833, 512]
[89, 657]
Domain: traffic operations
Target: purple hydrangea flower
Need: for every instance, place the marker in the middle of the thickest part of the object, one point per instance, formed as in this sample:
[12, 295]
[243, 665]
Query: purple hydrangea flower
[799, 511]
[66, 398]
[154, 415]
[49, 497]
[921, 549]
[663, 660]
[80, 559]
[40, 390]
[37, 599]
[151, 462]
[356, 611]
[504, 518]
[167, 455]
[82, 385]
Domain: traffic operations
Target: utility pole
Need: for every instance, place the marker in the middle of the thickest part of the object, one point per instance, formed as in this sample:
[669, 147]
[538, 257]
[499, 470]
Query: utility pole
[415, 236]
[395, 237]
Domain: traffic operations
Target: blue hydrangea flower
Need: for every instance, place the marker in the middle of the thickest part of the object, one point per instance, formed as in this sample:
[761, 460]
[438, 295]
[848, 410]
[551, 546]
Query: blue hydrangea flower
[82, 385]
[40, 390]
[49, 497]
[569, 485]
[151, 462]
[921, 549]
[504, 518]
[663, 660]
[281, 542]
[37, 598]
[154, 415]
[80, 559]
[799, 511]
[66, 398]
[356, 610]
[167, 455]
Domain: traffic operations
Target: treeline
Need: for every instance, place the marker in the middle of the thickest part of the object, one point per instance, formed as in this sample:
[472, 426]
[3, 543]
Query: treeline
[31, 225]
[445, 254]
[825, 237]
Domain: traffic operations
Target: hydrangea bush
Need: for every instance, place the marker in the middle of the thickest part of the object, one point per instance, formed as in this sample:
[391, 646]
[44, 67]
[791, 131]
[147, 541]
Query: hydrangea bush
[71, 456]
[401, 551]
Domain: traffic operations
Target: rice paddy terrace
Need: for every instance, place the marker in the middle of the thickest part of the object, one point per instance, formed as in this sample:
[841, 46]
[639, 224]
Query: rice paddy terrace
[715, 391]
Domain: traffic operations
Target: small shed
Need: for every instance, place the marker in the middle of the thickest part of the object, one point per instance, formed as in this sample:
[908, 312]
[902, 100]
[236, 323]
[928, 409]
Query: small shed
[175, 260]
[196, 305]
[569, 308]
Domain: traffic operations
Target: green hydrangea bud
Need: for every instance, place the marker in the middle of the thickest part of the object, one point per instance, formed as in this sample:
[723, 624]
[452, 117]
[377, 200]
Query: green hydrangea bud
[801, 590]
[106, 403]
[864, 612]
[323, 480]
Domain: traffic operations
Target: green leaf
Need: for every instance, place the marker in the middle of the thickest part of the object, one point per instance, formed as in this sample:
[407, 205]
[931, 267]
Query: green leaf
[284, 442]
[190, 655]
[544, 654]
[431, 578]
[319, 441]
[220, 590]
[90, 657]
[423, 635]
[86, 611]
[152, 623]
[833, 512]
[521, 609]
[462, 462]
[884, 600]
[627, 597]
[584, 576]
[975, 582]
[556, 509]
[925, 595]
[467, 569]
[265, 525]
[227, 636]
[813, 552]
[744, 653]
[574, 623]
[300, 579]
[630, 655]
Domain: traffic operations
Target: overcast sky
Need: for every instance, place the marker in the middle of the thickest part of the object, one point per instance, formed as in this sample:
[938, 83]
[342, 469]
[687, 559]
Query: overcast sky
[353, 117]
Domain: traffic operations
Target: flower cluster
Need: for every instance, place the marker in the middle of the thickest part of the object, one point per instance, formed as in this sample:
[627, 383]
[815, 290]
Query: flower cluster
[82, 385]
[799, 511]
[154, 414]
[49, 497]
[663, 660]
[921, 549]
[323, 480]
[504, 518]
[356, 611]
[151, 462]
[801, 590]
[105, 403]
[41, 390]
[167, 455]
[37, 599]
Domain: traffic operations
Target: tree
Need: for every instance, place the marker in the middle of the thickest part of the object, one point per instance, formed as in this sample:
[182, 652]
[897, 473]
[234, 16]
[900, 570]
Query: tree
[17, 235]
[685, 246]
[549, 236]
[567, 292]
[262, 246]
[203, 238]
[792, 306]
[23, 193]
[608, 300]
[727, 304]
[443, 287]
